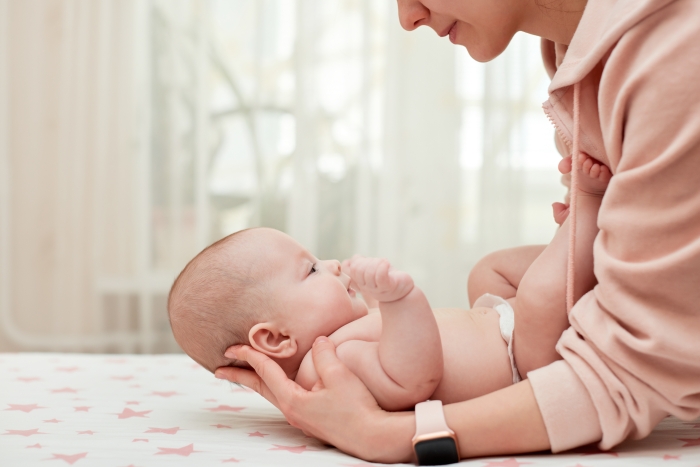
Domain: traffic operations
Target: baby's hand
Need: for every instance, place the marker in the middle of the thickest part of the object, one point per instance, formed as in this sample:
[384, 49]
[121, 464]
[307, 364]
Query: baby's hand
[376, 277]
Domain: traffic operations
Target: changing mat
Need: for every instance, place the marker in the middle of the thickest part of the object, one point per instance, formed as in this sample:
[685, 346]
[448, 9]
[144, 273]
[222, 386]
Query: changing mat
[165, 410]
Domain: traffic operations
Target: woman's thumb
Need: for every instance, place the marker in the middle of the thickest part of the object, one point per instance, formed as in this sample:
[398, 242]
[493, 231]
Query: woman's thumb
[329, 368]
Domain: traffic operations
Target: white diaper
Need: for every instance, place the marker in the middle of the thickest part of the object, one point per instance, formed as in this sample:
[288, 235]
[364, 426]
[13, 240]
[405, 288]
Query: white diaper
[506, 323]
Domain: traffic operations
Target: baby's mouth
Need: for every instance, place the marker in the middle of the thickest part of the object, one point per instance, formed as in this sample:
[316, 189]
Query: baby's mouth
[351, 292]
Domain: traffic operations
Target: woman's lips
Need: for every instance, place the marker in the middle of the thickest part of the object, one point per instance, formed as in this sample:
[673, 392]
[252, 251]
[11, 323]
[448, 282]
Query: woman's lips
[453, 33]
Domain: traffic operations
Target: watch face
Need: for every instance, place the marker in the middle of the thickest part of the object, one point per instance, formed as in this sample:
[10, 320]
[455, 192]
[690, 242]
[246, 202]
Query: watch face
[438, 451]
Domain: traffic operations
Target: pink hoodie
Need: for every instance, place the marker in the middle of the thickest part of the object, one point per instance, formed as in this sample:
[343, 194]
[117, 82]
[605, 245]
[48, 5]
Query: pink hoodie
[632, 353]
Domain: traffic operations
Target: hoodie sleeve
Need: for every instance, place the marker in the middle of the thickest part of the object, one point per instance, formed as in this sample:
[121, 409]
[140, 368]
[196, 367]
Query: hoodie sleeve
[631, 355]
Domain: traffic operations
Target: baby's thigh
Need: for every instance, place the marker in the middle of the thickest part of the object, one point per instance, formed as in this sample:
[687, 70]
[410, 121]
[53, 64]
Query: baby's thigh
[500, 273]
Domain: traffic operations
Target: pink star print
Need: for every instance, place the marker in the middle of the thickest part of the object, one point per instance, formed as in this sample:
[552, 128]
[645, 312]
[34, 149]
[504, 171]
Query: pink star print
[24, 408]
[219, 425]
[258, 434]
[123, 378]
[128, 413]
[67, 369]
[31, 432]
[507, 463]
[294, 449]
[70, 458]
[139, 440]
[82, 408]
[87, 432]
[167, 431]
[34, 446]
[53, 420]
[225, 408]
[232, 459]
[690, 442]
[183, 451]
[164, 393]
[668, 457]
[71, 390]
[132, 402]
[592, 449]
[28, 379]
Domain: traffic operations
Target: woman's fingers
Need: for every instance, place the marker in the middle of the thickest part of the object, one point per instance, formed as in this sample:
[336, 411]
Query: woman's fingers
[247, 378]
[273, 383]
[331, 371]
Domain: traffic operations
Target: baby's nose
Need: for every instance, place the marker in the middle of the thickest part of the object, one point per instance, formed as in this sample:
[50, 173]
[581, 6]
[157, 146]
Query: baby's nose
[335, 266]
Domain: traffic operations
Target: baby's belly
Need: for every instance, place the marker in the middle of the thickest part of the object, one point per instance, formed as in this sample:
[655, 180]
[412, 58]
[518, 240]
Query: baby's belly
[475, 354]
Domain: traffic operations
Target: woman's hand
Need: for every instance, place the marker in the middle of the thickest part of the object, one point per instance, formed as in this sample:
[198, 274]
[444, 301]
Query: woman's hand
[338, 410]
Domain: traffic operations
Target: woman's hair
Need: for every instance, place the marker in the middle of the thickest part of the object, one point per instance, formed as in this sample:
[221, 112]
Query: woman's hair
[216, 300]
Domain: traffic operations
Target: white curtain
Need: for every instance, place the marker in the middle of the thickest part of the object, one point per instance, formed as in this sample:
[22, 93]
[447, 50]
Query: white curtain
[133, 133]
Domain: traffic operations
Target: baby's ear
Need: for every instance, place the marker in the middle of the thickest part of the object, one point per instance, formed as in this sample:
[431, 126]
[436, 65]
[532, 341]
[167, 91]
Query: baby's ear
[266, 338]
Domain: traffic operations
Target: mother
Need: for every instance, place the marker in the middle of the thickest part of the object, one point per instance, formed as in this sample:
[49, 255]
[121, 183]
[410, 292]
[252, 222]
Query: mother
[629, 71]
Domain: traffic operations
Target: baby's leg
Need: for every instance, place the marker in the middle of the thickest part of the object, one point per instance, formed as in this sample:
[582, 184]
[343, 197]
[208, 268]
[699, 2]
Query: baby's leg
[499, 273]
[540, 304]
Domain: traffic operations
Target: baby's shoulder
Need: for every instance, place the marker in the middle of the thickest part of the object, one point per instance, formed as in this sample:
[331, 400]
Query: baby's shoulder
[368, 328]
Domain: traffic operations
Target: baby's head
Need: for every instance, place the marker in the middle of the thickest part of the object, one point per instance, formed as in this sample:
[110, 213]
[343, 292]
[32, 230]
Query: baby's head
[261, 288]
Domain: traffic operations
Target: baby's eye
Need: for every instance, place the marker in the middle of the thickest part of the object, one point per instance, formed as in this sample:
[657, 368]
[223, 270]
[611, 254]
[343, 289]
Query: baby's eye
[313, 269]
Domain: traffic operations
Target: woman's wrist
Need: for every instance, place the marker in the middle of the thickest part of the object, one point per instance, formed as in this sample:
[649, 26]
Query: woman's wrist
[388, 439]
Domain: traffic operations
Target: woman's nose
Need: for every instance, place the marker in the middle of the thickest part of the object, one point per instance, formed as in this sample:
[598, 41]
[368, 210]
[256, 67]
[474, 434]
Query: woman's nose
[412, 14]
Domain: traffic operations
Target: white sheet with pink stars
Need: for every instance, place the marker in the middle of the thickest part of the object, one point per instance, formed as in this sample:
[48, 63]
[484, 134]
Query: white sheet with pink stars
[165, 410]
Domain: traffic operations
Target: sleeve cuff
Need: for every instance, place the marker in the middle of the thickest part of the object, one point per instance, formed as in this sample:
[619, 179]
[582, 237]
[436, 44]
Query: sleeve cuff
[569, 415]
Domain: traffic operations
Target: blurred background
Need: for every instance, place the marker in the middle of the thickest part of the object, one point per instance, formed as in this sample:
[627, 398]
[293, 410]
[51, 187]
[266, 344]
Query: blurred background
[133, 133]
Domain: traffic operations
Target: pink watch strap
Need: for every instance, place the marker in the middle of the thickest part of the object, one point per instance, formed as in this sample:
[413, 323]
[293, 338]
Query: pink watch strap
[430, 418]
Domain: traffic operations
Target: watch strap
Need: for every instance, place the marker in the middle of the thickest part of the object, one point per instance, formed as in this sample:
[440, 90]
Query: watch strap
[430, 418]
[434, 442]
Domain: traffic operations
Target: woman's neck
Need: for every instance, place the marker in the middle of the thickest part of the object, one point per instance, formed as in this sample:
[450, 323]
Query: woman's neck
[555, 20]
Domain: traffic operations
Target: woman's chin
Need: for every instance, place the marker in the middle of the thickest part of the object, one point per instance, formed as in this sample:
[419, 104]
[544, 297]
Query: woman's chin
[484, 52]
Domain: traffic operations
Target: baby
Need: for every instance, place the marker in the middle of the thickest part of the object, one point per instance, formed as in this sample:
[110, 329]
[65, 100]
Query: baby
[261, 288]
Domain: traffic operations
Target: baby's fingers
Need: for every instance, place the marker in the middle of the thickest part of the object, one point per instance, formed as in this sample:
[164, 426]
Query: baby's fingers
[382, 277]
[356, 270]
[370, 273]
[346, 266]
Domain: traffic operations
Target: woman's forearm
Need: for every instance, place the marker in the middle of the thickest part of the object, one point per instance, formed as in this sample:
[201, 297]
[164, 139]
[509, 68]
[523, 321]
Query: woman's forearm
[507, 421]
[343, 412]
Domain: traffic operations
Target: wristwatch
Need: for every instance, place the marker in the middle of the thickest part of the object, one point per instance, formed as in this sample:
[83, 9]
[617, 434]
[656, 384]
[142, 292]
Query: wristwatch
[434, 443]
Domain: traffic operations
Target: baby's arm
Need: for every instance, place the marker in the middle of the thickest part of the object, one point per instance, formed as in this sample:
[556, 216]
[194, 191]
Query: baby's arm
[406, 365]
[540, 304]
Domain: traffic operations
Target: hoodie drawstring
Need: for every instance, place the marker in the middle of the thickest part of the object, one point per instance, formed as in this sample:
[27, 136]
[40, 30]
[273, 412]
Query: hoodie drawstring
[572, 204]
